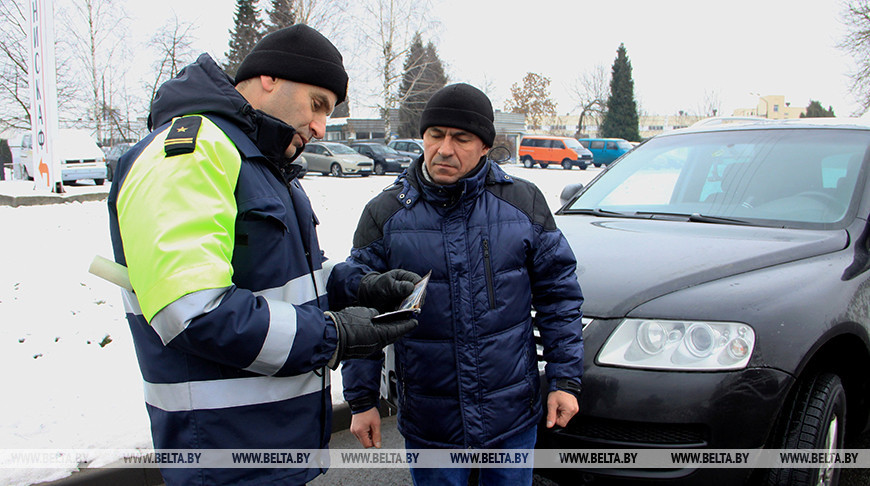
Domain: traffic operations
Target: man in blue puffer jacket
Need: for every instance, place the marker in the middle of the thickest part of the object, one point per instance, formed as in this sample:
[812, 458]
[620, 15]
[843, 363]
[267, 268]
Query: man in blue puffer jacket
[468, 375]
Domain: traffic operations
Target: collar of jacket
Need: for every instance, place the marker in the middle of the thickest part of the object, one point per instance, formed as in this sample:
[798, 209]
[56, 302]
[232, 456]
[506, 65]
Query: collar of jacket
[465, 189]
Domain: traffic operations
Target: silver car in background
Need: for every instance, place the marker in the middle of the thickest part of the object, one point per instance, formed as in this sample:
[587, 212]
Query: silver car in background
[336, 159]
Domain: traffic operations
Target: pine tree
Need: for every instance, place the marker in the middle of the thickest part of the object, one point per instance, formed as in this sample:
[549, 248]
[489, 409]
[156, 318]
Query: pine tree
[282, 14]
[423, 76]
[246, 32]
[815, 110]
[621, 120]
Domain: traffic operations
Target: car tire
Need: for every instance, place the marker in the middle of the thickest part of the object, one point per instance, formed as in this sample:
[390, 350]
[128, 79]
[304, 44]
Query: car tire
[544, 165]
[99, 182]
[528, 162]
[815, 419]
[379, 169]
[110, 174]
[597, 166]
[335, 170]
[567, 164]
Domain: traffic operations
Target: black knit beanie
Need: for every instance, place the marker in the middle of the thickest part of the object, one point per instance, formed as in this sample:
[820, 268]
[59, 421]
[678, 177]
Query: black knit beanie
[297, 53]
[460, 106]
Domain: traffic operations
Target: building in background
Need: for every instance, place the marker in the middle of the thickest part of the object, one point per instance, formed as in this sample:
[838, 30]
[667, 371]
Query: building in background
[772, 106]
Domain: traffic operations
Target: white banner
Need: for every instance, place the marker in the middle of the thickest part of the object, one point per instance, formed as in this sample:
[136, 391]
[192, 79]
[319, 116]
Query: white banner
[441, 458]
[45, 168]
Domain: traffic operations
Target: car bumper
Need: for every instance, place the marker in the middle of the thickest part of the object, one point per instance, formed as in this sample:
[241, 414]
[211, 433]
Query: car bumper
[76, 173]
[639, 409]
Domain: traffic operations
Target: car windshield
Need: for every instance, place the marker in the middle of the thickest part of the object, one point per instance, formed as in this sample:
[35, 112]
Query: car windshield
[338, 148]
[773, 177]
[572, 143]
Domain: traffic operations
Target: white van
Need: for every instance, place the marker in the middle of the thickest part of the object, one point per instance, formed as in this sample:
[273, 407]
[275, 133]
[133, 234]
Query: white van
[80, 157]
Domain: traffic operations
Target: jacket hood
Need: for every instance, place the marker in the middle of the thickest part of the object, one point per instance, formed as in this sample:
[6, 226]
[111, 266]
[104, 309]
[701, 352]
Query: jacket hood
[204, 88]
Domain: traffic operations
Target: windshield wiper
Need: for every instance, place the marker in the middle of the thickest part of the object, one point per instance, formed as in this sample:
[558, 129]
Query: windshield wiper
[696, 217]
[599, 212]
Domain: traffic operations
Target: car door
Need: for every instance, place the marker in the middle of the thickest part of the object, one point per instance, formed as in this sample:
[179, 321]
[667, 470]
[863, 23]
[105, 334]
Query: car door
[316, 157]
[598, 152]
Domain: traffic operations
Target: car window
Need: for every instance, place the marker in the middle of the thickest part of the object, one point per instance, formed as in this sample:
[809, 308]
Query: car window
[611, 145]
[557, 144]
[791, 178]
[338, 148]
[572, 143]
[313, 149]
[597, 144]
[584, 143]
[527, 142]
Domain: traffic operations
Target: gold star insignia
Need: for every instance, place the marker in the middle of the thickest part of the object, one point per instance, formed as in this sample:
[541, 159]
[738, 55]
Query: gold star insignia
[182, 129]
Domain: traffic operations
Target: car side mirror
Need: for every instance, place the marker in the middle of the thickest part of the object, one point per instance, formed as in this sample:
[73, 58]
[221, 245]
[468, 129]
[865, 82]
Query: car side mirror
[569, 192]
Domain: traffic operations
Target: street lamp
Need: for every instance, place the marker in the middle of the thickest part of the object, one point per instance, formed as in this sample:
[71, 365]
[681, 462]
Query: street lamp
[765, 103]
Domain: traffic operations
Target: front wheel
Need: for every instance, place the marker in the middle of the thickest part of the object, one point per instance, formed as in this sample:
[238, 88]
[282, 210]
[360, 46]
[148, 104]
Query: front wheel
[335, 170]
[379, 169]
[567, 164]
[528, 162]
[816, 419]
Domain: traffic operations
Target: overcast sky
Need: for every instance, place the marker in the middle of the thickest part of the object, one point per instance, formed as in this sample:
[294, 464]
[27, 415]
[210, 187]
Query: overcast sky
[680, 50]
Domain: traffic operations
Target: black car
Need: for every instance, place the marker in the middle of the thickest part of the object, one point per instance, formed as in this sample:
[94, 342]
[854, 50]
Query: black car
[114, 153]
[385, 158]
[727, 299]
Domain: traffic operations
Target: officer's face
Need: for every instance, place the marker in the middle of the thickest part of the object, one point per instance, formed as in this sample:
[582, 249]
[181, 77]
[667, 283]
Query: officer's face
[303, 106]
[451, 153]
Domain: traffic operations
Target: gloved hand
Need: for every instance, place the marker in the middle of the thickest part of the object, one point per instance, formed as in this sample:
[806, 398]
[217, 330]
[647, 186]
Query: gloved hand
[359, 337]
[385, 291]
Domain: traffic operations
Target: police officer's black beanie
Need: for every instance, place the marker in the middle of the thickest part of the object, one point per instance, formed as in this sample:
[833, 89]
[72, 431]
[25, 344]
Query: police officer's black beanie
[460, 106]
[297, 53]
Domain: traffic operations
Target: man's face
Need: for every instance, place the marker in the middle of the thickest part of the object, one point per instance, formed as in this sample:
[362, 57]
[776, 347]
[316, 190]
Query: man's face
[303, 106]
[451, 153]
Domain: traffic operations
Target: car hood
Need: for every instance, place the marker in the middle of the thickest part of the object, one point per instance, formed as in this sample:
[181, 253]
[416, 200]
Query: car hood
[623, 263]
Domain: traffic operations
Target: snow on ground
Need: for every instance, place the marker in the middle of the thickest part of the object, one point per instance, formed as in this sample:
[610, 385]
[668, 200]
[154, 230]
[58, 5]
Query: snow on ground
[70, 375]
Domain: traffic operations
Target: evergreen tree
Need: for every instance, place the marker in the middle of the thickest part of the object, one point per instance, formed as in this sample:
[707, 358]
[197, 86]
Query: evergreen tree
[621, 119]
[282, 14]
[246, 32]
[815, 110]
[423, 76]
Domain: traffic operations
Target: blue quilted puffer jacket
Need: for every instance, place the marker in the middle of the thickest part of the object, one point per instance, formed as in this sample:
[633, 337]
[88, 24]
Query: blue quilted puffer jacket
[468, 374]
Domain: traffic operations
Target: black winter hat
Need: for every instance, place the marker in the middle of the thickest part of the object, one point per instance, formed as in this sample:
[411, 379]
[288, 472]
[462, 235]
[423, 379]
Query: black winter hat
[460, 106]
[297, 53]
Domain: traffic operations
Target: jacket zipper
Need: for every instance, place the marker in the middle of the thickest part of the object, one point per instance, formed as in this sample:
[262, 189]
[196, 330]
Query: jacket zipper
[487, 263]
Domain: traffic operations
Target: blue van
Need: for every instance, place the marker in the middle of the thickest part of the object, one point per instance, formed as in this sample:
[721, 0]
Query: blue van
[605, 150]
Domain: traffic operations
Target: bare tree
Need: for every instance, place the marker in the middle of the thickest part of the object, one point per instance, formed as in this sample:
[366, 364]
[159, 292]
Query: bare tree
[14, 79]
[321, 15]
[856, 18]
[174, 46]
[591, 90]
[389, 27]
[95, 30]
[711, 105]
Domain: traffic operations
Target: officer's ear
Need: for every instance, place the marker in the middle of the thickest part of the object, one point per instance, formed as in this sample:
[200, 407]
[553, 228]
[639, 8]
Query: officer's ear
[268, 83]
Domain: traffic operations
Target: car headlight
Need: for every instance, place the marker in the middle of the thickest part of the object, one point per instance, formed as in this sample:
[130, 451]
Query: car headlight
[679, 345]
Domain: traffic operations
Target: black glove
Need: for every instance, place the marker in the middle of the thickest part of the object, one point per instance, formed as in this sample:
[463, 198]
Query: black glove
[385, 291]
[359, 337]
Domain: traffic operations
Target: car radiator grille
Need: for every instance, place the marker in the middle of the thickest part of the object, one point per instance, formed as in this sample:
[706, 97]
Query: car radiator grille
[634, 433]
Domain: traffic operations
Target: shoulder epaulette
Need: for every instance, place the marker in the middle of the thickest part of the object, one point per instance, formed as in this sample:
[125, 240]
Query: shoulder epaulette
[181, 138]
